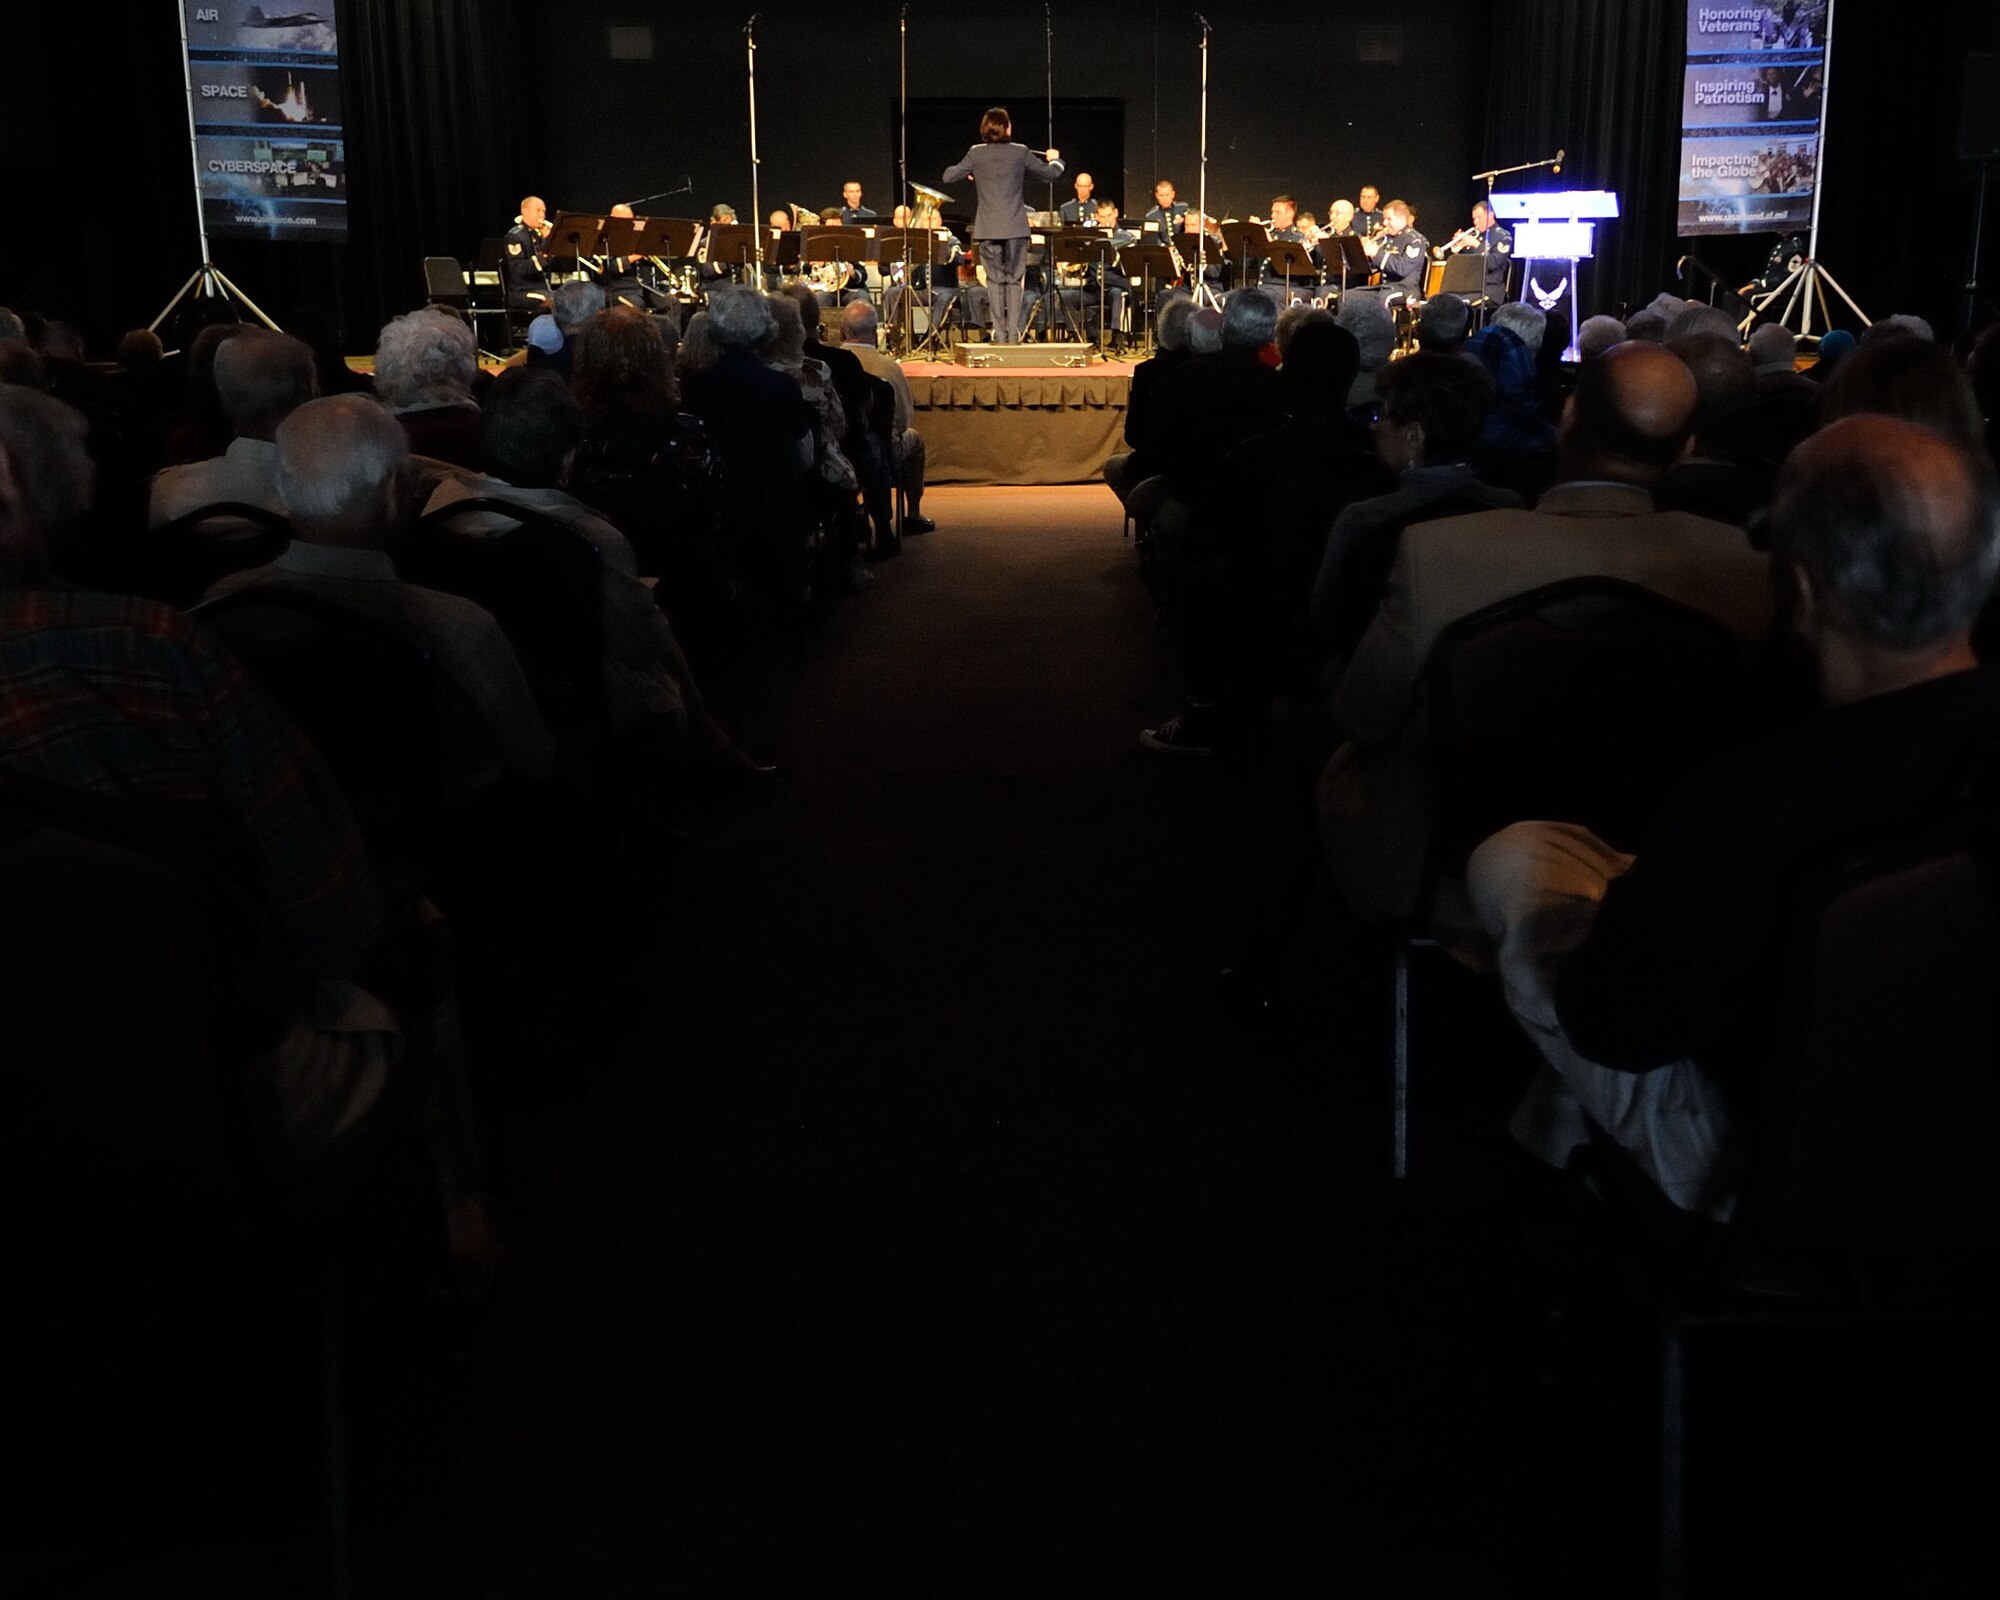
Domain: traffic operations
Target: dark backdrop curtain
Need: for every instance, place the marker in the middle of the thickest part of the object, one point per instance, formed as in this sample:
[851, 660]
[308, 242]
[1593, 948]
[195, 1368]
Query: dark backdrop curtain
[435, 89]
[1602, 81]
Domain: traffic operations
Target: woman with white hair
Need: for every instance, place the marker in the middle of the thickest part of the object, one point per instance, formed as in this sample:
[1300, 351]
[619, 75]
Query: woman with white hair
[426, 364]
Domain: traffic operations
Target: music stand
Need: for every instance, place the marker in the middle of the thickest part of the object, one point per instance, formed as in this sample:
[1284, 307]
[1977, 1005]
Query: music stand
[732, 244]
[841, 246]
[1146, 264]
[580, 230]
[1292, 260]
[893, 247]
[1464, 275]
[1354, 261]
[1080, 247]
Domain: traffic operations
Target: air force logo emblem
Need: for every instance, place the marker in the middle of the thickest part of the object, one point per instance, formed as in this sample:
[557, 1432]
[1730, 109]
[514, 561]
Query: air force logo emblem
[1548, 299]
[1413, 250]
[513, 249]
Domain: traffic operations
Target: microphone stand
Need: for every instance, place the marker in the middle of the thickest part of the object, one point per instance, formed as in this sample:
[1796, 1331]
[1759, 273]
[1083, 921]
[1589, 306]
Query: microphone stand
[1051, 285]
[1554, 163]
[687, 187]
[899, 333]
[1201, 190]
[756, 199]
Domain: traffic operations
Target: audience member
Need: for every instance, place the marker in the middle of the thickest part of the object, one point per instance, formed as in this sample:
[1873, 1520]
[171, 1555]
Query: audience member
[425, 365]
[1207, 406]
[343, 469]
[1784, 406]
[552, 336]
[1516, 447]
[134, 706]
[1716, 479]
[1290, 319]
[1597, 335]
[1444, 324]
[199, 429]
[764, 430]
[20, 365]
[1432, 407]
[140, 352]
[655, 472]
[1834, 349]
[1126, 471]
[534, 428]
[1908, 377]
[1696, 318]
[1900, 325]
[1647, 326]
[1630, 419]
[858, 329]
[1367, 319]
[261, 378]
[1636, 977]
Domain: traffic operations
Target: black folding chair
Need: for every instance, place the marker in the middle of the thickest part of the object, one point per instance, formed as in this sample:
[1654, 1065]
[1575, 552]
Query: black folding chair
[1589, 701]
[370, 700]
[543, 582]
[1863, 1250]
[177, 561]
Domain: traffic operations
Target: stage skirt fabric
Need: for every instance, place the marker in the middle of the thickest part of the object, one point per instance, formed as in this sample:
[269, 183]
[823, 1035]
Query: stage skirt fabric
[1019, 425]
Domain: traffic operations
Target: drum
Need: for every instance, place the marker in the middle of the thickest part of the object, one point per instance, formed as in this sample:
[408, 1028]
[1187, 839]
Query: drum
[1433, 279]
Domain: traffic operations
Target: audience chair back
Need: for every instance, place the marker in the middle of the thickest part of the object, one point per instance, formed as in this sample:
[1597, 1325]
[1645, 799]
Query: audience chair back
[1872, 1142]
[123, 1147]
[543, 583]
[1587, 700]
[368, 698]
[179, 560]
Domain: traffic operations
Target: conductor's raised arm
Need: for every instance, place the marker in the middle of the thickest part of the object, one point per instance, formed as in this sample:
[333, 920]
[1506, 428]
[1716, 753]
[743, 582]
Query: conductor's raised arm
[962, 169]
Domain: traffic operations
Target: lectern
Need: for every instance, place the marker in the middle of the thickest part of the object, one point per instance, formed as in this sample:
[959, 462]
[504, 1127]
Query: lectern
[1557, 227]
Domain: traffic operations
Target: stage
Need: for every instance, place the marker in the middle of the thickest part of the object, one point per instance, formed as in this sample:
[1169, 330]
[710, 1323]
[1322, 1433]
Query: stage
[1018, 425]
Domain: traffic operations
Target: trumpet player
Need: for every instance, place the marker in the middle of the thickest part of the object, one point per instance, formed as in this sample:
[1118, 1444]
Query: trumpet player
[1493, 242]
[1399, 252]
[525, 267]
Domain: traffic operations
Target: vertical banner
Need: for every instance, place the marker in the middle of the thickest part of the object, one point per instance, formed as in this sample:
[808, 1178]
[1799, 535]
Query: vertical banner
[1751, 115]
[269, 145]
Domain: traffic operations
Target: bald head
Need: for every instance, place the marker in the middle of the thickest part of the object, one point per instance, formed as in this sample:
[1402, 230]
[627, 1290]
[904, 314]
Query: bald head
[858, 323]
[341, 467]
[1893, 530]
[1631, 415]
[261, 378]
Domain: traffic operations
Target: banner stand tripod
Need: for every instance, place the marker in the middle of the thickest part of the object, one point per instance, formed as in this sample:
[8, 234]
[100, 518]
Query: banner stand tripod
[1806, 284]
[207, 281]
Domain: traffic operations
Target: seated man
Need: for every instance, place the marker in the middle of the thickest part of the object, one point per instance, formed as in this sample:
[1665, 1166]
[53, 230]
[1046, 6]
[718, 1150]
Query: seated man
[262, 377]
[524, 267]
[1128, 469]
[1431, 406]
[858, 328]
[1400, 253]
[1634, 976]
[343, 467]
[1631, 417]
[132, 704]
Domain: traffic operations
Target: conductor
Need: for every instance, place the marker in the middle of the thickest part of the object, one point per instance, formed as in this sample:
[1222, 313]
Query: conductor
[999, 167]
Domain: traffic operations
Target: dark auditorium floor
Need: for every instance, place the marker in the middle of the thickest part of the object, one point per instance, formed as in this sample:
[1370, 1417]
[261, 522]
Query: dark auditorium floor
[903, 1214]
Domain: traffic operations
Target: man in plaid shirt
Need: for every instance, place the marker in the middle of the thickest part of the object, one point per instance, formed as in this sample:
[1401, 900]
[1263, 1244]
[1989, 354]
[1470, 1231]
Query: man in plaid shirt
[134, 705]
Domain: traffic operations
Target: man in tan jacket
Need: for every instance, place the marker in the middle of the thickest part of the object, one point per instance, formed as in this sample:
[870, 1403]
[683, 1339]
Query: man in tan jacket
[1630, 419]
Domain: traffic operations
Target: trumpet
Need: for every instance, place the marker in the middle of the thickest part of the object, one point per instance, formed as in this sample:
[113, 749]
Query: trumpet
[1465, 238]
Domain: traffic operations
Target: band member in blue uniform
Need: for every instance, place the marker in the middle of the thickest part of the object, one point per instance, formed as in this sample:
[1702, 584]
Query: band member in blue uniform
[1493, 242]
[1401, 254]
[852, 212]
[524, 269]
[999, 169]
[1082, 211]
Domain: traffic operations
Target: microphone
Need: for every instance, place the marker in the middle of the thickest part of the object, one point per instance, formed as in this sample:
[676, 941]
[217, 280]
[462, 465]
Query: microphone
[1205, 28]
[753, 21]
[1558, 166]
